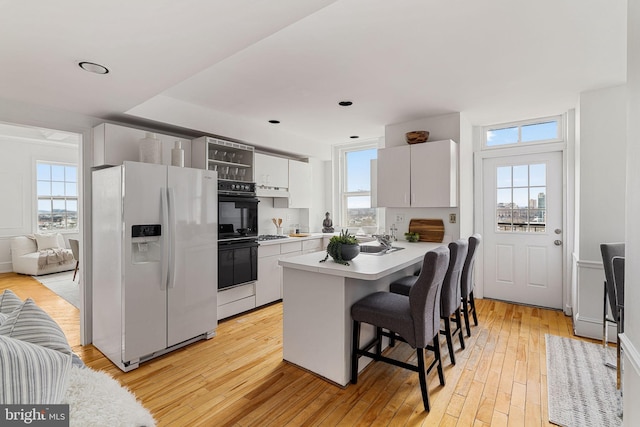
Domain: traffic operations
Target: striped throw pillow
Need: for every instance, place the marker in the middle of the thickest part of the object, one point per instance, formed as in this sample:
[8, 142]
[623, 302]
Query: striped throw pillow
[30, 374]
[9, 301]
[32, 324]
[3, 317]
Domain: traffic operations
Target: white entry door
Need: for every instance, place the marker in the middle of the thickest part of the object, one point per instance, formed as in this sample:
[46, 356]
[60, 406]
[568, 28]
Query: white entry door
[523, 229]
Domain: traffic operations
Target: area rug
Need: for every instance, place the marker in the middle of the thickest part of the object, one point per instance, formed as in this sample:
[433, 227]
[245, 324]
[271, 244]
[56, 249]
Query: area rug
[581, 389]
[63, 285]
[96, 399]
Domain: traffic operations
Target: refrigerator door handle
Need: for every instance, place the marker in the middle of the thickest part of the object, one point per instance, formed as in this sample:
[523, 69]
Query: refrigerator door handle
[165, 238]
[172, 233]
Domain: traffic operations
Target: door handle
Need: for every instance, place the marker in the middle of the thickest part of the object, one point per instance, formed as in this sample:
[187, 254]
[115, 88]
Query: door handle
[557, 242]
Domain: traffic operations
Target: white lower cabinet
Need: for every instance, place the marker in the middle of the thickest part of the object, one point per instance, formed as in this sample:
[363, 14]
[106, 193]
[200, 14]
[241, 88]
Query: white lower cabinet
[268, 284]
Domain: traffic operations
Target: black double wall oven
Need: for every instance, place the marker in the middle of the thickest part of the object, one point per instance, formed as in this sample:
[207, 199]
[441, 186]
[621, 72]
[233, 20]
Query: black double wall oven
[237, 234]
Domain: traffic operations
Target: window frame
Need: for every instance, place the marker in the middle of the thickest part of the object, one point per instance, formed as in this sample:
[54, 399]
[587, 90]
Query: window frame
[559, 119]
[65, 198]
[340, 182]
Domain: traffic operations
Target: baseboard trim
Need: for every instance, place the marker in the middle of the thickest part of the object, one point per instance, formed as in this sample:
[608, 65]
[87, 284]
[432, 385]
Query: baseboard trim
[589, 327]
[631, 352]
[6, 267]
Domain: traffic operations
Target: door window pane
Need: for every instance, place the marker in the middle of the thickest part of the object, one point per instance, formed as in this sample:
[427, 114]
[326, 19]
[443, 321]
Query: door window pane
[502, 136]
[521, 207]
[540, 131]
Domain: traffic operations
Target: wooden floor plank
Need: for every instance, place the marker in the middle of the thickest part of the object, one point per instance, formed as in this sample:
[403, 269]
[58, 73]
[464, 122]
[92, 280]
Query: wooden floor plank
[238, 378]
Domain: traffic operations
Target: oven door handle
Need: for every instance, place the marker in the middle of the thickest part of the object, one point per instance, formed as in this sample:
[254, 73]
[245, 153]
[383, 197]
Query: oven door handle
[237, 245]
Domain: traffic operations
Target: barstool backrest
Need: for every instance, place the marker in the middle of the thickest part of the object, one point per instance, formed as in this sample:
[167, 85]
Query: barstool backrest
[451, 294]
[467, 281]
[424, 297]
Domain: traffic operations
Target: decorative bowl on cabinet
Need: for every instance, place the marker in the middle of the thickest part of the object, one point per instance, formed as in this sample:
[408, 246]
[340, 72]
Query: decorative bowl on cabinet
[417, 136]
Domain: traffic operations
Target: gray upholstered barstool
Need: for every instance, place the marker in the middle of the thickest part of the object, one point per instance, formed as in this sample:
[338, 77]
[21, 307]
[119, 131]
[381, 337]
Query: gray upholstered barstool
[450, 299]
[467, 282]
[452, 296]
[414, 319]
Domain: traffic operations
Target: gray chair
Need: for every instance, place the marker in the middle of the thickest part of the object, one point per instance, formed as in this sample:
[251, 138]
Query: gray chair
[452, 295]
[75, 249]
[618, 277]
[467, 283]
[414, 319]
[609, 250]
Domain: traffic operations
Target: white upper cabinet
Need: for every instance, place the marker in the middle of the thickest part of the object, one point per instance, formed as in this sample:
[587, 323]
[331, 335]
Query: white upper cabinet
[299, 187]
[271, 171]
[114, 144]
[232, 160]
[394, 177]
[419, 175]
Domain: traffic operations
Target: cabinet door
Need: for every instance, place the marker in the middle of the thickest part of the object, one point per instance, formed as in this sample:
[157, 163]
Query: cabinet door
[114, 144]
[394, 177]
[268, 284]
[434, 171]
[299, 184]
[271, 171]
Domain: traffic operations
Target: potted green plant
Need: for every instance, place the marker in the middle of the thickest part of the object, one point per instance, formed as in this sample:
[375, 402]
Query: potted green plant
[342, 248]
[412, 236]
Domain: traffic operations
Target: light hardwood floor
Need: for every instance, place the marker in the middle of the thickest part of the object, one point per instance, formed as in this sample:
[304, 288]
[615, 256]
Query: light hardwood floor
[238, 378]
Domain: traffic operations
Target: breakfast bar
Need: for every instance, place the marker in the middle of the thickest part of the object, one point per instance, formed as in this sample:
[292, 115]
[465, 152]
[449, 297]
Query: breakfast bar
[317, 299]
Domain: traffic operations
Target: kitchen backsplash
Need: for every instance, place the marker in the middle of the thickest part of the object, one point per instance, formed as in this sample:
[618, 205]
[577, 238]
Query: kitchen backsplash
[290, 217]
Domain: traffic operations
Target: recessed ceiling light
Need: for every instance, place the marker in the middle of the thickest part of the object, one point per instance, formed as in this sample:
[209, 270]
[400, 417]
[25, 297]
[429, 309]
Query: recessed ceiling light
[354, 136]
[275, 122]
[345, 103]
[93, 68]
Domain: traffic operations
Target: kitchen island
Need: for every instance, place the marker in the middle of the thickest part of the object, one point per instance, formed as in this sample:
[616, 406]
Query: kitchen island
[317, 299]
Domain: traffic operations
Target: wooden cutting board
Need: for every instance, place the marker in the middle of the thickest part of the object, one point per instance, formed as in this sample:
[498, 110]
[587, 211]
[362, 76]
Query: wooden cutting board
[430, 230]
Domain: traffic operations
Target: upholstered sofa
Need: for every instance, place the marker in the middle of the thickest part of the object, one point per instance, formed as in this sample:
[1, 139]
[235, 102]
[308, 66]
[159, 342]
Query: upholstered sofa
[38, 367]
[41, 254]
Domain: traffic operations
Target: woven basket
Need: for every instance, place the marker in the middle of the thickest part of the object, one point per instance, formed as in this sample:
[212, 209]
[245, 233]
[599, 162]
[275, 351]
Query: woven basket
[417, 136]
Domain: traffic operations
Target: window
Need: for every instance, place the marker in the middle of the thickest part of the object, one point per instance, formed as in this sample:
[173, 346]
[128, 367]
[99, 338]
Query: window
[532, 131]
[355, 187]
[521, 198]
[57, 192]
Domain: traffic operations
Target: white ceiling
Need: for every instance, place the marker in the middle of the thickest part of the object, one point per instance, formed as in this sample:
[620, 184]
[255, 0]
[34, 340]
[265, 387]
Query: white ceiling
[249, 61]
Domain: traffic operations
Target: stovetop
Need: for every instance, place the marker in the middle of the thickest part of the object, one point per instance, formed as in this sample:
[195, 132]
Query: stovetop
[271, 237]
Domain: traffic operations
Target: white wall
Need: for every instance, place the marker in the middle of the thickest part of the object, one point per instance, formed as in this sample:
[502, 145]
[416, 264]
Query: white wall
[601, 216]
[631, 336]
[17, 186]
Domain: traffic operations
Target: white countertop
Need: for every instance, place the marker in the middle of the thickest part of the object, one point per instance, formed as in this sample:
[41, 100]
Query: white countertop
[293, 239]
[364, 266]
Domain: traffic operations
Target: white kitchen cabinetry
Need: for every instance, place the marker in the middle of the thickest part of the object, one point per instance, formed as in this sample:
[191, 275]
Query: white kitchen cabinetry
[271, 171]
[115, 144]
[419, 175]
[269, 272]
[232, 160]
[313, 245]
[299, 187]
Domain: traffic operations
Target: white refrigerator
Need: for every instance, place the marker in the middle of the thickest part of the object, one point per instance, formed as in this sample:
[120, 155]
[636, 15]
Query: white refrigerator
[154, 258]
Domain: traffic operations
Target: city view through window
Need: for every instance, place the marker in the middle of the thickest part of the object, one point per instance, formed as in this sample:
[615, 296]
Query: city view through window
[357, 189]
[57, 190]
